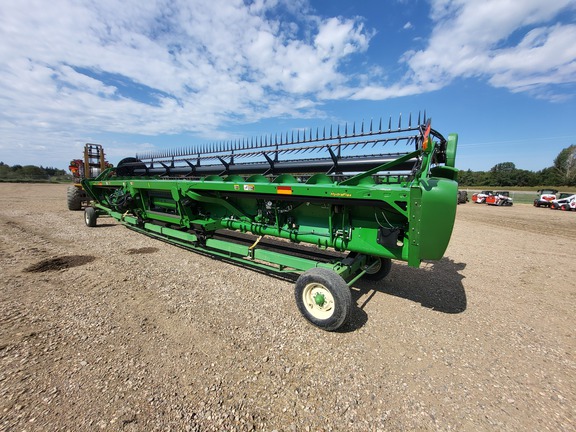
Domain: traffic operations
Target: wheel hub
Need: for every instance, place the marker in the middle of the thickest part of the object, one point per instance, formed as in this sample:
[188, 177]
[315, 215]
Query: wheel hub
[319, 299]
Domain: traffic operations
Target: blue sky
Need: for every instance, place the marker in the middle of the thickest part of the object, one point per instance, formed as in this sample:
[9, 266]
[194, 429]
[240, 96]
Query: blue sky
[139, 76]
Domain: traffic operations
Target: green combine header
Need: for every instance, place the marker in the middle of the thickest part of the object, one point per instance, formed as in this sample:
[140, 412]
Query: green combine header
[331, 206]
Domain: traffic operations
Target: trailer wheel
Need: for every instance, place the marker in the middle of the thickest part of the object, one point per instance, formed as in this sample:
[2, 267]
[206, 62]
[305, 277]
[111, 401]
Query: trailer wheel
[380, 270]
[323, 298]
[74, 198]
[90, 216]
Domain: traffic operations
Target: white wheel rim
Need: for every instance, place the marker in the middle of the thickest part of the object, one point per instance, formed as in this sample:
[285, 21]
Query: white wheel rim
[318, 301]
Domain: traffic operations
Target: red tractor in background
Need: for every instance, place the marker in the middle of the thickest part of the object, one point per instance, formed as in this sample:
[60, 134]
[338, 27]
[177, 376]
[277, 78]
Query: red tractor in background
[91, 166]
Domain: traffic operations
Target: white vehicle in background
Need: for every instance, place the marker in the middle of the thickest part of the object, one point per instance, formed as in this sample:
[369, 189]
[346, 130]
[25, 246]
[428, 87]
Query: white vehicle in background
[480, 197]
[544, 197]
[499, 198]
[565, 201]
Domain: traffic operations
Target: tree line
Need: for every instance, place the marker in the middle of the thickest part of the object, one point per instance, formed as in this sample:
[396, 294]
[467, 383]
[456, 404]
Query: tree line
[31, 173]
[561, 173]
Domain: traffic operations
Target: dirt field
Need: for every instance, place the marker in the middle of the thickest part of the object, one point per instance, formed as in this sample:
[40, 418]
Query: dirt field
[107, 329]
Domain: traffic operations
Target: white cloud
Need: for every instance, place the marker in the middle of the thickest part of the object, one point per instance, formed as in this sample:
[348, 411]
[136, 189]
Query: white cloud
[479, 39]
[79, 68]
[74, 66]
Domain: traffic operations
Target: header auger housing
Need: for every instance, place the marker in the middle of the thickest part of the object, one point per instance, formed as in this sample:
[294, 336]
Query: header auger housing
[362, 197]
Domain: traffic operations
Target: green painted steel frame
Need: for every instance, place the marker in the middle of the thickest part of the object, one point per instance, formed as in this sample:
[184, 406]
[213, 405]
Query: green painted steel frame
[350, 269]
[356, 214]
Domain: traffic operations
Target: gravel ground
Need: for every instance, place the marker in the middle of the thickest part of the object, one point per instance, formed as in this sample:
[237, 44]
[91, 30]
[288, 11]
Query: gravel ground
[107, 329]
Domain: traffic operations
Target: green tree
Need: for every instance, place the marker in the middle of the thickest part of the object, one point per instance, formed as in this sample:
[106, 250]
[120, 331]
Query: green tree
[33, 172]
[502, 174]
[565, 165]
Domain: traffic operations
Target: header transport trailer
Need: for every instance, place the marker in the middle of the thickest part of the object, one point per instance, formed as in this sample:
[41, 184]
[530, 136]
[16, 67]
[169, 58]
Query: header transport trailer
[331, 206]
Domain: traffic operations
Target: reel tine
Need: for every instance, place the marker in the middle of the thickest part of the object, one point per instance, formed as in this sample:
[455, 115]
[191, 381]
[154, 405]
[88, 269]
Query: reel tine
[305, 141]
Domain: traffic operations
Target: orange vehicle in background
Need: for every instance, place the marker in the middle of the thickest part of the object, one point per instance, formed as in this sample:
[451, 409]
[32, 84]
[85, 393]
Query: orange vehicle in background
[91, 166]
[480, 197]
[499, 198]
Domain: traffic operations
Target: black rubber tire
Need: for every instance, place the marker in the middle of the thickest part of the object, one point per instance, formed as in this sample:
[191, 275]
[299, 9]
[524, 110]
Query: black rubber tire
[90, 216]
[127, 166]
[337, 310]
[75, 196]
[381, 271]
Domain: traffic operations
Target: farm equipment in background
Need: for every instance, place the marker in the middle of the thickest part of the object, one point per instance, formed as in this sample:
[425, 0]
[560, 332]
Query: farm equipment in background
[462, 197]
[499, 198]
[544, 197]
[565, 201]
[480, 197]
[354, 198]
[91, 166]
